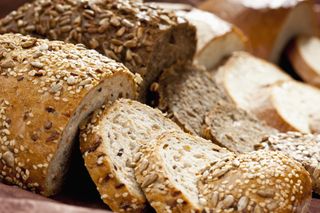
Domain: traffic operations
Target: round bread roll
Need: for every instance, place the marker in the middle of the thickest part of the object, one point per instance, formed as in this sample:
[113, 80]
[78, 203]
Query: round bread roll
[47, 89]
[256, 182]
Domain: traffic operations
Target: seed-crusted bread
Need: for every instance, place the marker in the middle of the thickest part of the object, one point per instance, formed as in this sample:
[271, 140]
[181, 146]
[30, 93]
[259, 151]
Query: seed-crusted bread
[303, 54]
[247, 79]
[145, 38]
[304, 148]
[234, 128]
[167, 171]
[47, 89]
[292, 106]
[110, 144]
[261, 181]
[269, 24]
[216, 38]
[186, 93]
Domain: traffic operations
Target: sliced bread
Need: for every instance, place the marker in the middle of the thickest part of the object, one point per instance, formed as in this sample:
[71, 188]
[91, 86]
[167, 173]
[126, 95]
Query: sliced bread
[234, 128]
[216, 38]
[47, 89]
[187, 93]
[304, 148]
[247, 79]
[110, 144]
[167, 171]
[145, 39]
[269, 25]
[303, 56]
[261, 181]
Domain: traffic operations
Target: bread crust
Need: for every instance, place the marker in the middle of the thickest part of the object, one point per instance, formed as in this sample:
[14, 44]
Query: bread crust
[45, 87]
[130, 32]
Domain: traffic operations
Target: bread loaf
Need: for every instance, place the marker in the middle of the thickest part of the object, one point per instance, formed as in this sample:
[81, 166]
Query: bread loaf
[47, 89]
[187, 93]
[234, 128]
[216, 38]
[110, 144]
[167, 171]
[146, 39]
[260, 181]
[303, 58]
[304, 148]
[269, 25]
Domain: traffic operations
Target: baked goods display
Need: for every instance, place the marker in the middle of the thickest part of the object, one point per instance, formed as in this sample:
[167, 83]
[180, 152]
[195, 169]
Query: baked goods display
[146, 39]
[269, 24]
[217, 133]
[303, 58]
[304, 148]
[47, 89]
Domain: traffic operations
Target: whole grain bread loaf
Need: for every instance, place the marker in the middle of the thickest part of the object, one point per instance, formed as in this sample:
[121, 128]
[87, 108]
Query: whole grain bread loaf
[47, 89]
[145, 38]
[110, 143]
[261, 181]
[167, 171]
[234, 128]
[302, 147]
[268, 24]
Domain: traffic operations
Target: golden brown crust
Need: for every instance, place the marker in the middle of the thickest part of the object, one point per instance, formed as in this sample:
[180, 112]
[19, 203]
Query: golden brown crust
[256, 182]
[127, 31]
[42, 84]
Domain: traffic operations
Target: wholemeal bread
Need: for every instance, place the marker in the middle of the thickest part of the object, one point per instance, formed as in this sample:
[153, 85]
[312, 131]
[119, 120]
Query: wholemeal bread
[303, 58]
[234, 128]
[186, 93]
[167, 171]
[304, 148]
[269, 24]
[110, 144]
[260, 181]
[216, 38]
[146, 39]
[47, 89]
[292, 106]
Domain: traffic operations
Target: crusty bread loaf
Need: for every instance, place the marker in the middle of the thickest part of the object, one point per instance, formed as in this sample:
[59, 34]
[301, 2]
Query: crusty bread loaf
[110, 144]
[260, 181]
[304, 148]
[186, 93]
[269, 24]
[234, 128]
[303, 56]
[146, 39]
[167, 171]
[292, 106]
[247, 79]
[216, 38]
[47, 89]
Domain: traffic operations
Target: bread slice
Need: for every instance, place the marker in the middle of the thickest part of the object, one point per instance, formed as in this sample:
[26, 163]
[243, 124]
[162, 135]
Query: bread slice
[217, 38]
[234, 128]
[247, 79]
[303, 57]
[187, 92]
[260, 181]
[304, 148]
[167, 171]
[269, 25]
[145, 39]
[110, 144]
[292, 106]
[47, 89]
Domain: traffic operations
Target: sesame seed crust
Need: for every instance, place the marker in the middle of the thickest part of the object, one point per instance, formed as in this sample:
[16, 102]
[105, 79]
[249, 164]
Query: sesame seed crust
[259, 181]
[302, 147]
[37, 102]
[127, 31]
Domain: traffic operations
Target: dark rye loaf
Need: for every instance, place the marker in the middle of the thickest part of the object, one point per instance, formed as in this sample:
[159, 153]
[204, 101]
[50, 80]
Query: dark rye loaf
[146, 39]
